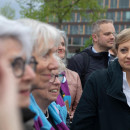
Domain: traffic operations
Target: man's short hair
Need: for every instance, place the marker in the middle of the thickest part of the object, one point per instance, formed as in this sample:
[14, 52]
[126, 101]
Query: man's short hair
[96, 25]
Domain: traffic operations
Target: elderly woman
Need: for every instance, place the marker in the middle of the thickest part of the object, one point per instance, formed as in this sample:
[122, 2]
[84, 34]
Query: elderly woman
[15, 48]
[46, 84]
[105, 103]
[71, 86]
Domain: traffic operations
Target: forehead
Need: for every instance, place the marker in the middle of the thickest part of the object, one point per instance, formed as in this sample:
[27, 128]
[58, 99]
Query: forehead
[51, 47]
[62, 39]
[107, 27]
[125, 44]
[10, 47]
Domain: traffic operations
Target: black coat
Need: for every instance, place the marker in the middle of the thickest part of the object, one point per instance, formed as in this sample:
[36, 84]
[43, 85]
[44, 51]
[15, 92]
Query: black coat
[86, 62]
[103, 105]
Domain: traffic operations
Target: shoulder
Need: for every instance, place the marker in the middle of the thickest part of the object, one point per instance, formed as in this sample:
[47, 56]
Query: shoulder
[71, 74]
[98, 76]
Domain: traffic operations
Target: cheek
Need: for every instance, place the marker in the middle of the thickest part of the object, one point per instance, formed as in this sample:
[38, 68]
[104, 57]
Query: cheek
[40, 67]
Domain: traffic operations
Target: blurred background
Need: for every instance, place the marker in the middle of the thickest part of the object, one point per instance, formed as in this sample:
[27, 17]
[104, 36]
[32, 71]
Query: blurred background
[73, 16]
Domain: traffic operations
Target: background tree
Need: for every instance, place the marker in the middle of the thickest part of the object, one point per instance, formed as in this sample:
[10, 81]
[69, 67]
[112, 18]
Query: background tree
[7, 11]
[60, 10]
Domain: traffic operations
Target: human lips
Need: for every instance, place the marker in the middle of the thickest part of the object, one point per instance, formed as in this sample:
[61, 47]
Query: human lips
[25, 92]
[60, 51]
[54, 91]
[111, 42]
[127, 62]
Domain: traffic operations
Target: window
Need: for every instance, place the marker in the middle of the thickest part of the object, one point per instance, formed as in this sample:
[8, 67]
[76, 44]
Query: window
[72, 17]
[110, 15]
[113, 4]
[78, 17]
[121, 27]
[118, 16]
[116, 28]
[123, 3]
[69, 40]
[106, 2]
[128, 16]
[80, 29]
[84, 40]
[73, 29]
[65, 28]
[87, 29]
[77, 41]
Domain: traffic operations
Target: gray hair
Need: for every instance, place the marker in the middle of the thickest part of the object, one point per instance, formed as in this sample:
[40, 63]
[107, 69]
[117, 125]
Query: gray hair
[42, 32]
[96, 25]
[63, 34]
[61, 65]
[15, 30]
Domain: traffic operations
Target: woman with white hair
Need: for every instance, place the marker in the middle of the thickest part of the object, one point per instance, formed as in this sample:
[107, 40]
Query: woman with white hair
[46, 85]
[15, 48]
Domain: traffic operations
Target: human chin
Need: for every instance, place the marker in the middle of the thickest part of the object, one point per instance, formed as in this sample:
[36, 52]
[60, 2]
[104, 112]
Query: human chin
[53, 94]
[23, 102]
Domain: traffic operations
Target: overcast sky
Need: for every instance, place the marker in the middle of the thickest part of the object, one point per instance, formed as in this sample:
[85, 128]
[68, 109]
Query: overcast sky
[13, 4]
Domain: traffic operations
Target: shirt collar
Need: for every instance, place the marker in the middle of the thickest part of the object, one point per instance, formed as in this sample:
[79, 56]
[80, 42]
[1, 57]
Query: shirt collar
[97, 52]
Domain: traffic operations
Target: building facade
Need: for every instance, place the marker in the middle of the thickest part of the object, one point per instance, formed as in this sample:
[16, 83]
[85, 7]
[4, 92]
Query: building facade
[78, 28]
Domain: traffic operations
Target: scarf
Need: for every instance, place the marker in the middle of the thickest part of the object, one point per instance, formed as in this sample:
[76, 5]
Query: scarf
[54, 110]
[65, 93]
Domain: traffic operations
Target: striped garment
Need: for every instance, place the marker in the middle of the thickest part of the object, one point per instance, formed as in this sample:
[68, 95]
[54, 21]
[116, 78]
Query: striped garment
[65, 93]
[55, 110]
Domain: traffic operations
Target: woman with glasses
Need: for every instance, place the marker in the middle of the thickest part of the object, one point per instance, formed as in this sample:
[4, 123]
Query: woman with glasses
[16, 48]
[46, 85]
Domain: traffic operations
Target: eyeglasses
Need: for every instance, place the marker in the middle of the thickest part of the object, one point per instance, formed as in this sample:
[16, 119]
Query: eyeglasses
[59, 76]
[19, 64]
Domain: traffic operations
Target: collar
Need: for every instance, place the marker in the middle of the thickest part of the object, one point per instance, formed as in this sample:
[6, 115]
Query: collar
[109, 55]
[115, 88]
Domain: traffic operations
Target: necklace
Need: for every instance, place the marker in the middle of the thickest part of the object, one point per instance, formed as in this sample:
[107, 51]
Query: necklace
[47, 114]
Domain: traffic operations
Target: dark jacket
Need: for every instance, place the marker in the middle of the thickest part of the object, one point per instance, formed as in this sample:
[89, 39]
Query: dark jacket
[27, 117]
[103, 105]
[95, 61]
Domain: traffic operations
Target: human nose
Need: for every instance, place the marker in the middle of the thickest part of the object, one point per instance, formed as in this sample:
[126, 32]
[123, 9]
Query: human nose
[57, 81]
[112, 36]
[29, 73]
[128, 55]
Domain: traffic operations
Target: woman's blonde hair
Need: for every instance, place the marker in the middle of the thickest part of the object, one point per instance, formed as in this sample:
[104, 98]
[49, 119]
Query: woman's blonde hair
[122, 37]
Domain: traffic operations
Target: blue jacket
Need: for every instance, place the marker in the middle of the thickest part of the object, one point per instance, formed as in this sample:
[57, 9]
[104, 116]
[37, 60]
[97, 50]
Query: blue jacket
[103, 105]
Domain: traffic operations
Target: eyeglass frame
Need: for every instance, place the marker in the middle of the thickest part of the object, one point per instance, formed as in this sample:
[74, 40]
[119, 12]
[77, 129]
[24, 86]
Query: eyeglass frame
[24, 65]
[56, 76]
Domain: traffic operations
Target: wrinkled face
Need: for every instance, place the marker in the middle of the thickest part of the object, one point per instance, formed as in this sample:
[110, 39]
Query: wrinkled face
[46, 64]
[12, 50]
[49, 92]
[123, 54]
[106, 38]
[61, 49]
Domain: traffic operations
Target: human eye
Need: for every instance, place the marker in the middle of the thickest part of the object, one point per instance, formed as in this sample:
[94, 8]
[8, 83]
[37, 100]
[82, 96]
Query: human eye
[45, 56]
[123, 50]
[62, 43]
[107, 33]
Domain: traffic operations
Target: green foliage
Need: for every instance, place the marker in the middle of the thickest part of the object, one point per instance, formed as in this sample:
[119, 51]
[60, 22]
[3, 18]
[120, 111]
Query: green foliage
[7, 11]
[59, 10]
[87, 43]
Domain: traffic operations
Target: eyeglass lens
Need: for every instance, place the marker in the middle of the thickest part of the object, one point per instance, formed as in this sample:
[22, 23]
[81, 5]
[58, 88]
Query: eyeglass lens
[19, 66]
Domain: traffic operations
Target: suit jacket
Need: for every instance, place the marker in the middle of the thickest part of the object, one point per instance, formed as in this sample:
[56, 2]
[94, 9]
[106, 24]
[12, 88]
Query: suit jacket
[75, 88]
[103, 105]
